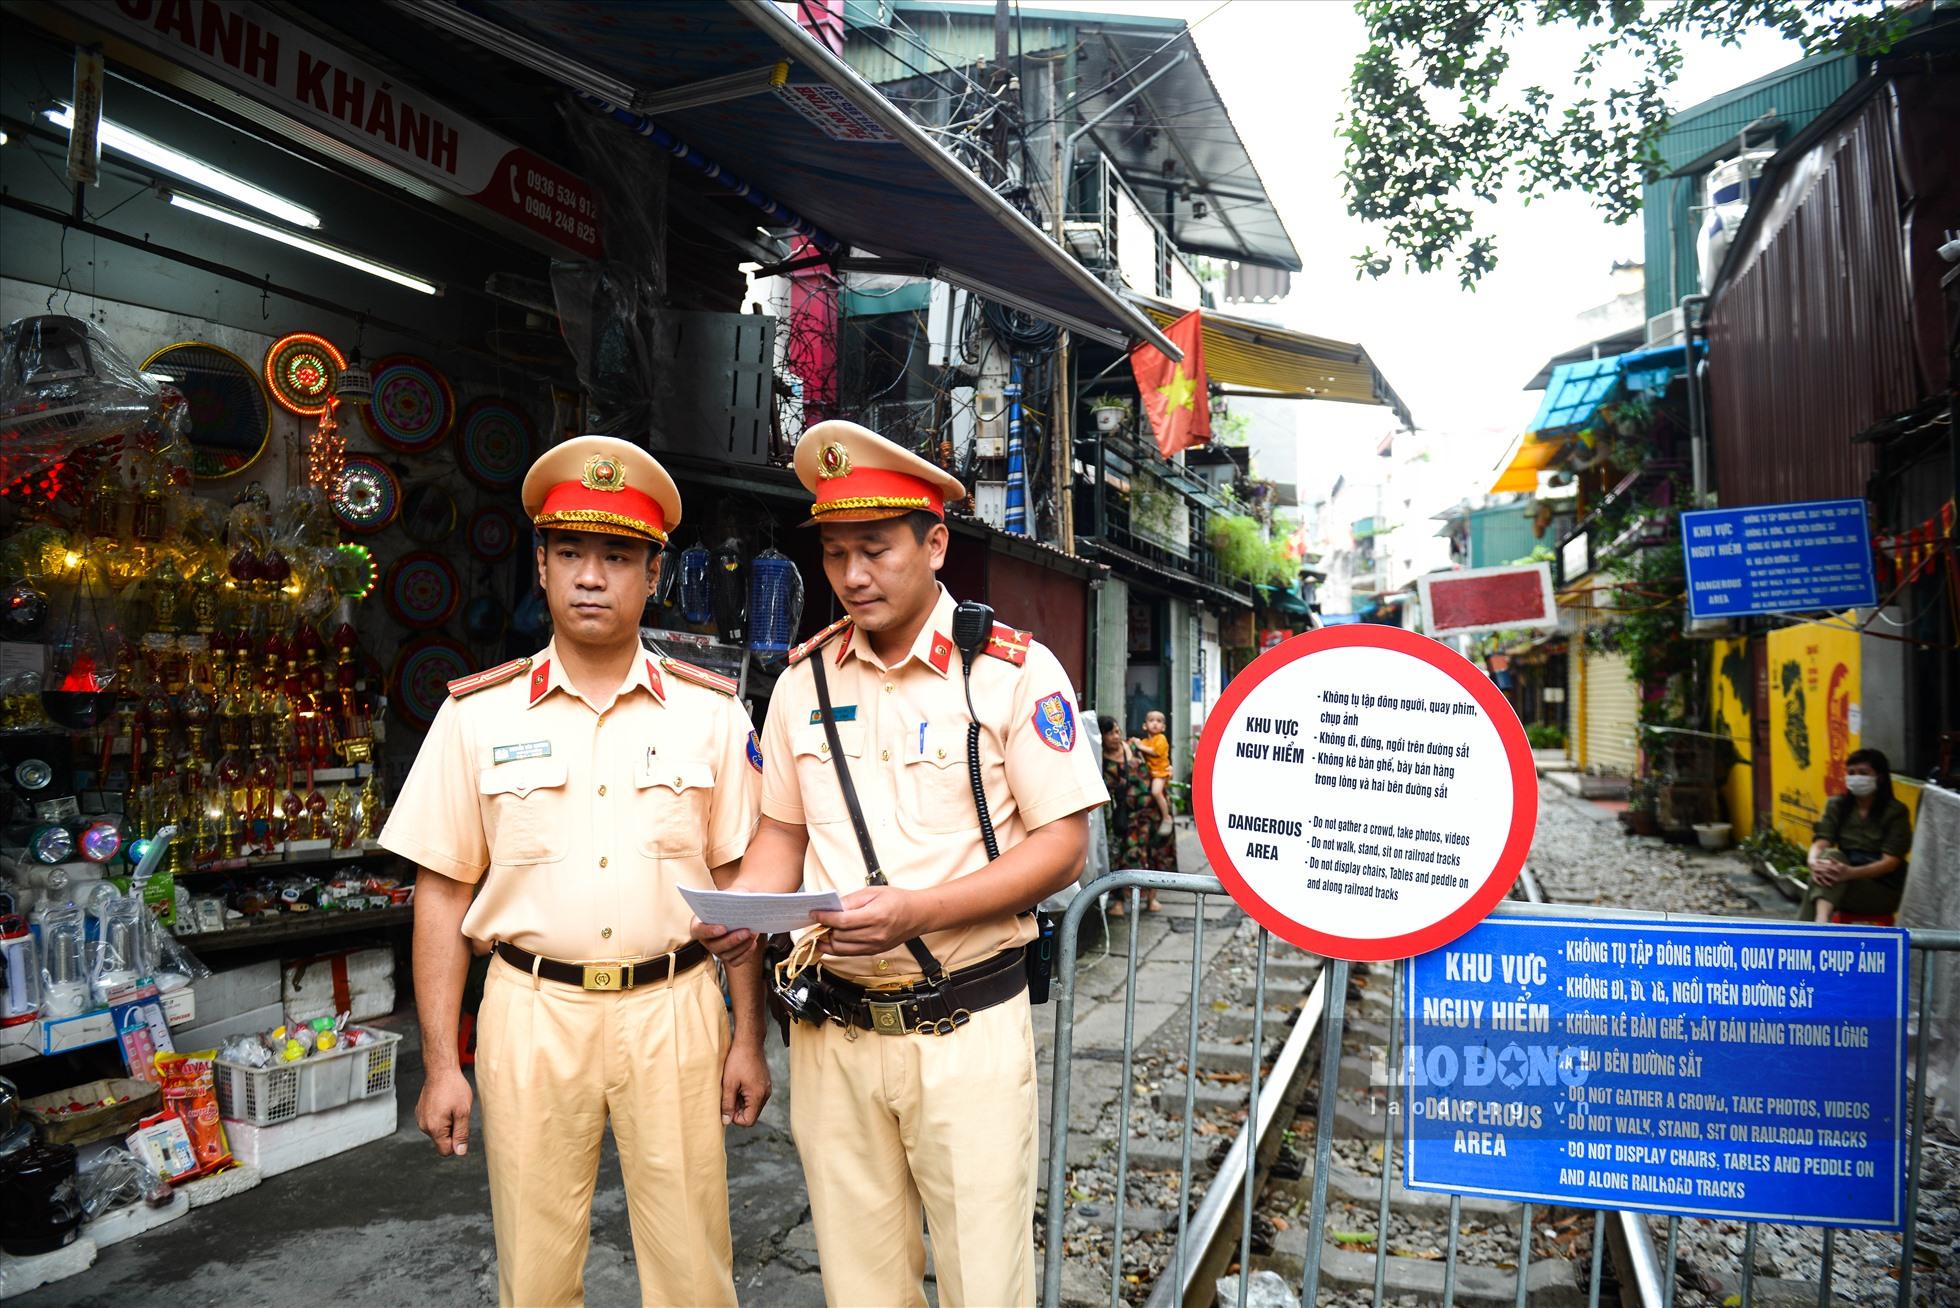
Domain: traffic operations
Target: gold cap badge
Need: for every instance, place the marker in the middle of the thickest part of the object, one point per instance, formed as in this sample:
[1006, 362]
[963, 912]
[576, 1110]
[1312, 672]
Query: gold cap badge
[833, 461]
[603, 473]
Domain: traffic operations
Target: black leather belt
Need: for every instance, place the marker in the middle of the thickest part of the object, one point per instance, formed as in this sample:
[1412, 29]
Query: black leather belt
[928, 1007]
[623, 975]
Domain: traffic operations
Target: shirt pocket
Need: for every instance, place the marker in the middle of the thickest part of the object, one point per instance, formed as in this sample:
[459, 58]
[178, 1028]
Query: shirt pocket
[671, 806]
[523, 805]
[817, 782]
[937, 787]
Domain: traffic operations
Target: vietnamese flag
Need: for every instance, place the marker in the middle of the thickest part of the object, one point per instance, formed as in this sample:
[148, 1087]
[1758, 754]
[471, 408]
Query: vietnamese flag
[1174, 391]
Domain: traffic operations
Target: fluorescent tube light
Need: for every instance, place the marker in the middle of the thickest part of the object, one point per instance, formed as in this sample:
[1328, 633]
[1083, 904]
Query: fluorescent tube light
[346, 258]
[195, 171]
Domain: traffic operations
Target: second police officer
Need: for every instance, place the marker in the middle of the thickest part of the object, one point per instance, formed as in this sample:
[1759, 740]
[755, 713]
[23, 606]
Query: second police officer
[913, 1087]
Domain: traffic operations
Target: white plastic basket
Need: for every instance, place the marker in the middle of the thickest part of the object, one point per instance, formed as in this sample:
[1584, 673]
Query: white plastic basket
[266, 1096]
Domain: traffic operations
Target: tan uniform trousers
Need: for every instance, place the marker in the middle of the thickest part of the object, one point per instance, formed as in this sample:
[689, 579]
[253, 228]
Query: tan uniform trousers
[886, 1124]
[554, 1063]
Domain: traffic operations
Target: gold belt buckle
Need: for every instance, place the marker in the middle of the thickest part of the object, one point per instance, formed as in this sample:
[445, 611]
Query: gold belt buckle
[608, 976]
[887, 1018]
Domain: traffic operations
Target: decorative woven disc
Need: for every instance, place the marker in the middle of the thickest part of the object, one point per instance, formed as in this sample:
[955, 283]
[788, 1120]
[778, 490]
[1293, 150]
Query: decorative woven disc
[302, 372]
[493, 533]
[494, 444]
[422, 590]
[421, 678]
[367, 497]
[413, 407]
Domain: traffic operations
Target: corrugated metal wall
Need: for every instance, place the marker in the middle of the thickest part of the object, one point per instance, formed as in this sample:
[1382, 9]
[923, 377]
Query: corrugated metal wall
[1612, 713]
[1795, 95]
[1832, 321]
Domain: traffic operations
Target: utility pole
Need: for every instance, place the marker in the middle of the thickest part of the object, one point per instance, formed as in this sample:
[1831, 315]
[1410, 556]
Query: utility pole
[1061, 405]
[1001, 79]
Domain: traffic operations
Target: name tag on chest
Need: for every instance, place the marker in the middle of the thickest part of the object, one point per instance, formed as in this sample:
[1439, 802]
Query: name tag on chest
[512, 753]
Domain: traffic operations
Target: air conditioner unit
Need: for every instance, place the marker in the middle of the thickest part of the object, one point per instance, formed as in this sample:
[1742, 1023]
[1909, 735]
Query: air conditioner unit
[1667, 329]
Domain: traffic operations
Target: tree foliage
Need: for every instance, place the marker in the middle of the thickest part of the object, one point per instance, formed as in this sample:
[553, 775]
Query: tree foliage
[1438, 125]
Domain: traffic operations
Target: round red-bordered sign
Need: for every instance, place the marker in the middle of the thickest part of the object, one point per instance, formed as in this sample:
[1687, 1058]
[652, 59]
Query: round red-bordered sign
[1399, 663]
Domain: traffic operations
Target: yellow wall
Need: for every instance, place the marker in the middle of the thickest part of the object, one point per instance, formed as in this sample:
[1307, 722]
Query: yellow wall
[1814, 690]
[1728, 712]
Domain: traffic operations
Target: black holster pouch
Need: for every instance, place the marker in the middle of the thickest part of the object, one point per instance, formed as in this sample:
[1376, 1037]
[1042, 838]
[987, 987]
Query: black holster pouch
[1041, 957]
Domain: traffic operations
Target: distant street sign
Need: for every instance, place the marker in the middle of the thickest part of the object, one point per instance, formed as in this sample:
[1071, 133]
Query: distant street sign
[1364, 792]
[1814, 556]
[1488, 599]
[1736, 1070]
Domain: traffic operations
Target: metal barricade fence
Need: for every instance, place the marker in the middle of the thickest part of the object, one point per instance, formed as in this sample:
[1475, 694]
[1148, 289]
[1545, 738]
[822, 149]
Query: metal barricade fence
[1324, 1011]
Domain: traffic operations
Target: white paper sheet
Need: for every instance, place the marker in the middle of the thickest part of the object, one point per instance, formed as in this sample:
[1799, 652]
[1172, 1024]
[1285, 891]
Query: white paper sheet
[759, 912]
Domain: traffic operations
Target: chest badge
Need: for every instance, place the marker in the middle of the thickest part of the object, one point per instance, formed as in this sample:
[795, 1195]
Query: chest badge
[1054, 722]
[529, 749]
[841, 712]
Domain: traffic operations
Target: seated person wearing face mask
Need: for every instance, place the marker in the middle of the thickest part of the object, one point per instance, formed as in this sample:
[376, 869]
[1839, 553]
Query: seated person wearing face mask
[1858, 860]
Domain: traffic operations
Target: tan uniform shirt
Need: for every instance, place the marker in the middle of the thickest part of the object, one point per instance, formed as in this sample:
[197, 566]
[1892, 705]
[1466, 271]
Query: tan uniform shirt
[903, 730]
[581, 818]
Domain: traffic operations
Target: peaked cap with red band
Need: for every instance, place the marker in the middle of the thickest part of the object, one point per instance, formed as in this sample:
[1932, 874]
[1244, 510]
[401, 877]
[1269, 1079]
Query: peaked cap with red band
[859, 476]
[602, 484]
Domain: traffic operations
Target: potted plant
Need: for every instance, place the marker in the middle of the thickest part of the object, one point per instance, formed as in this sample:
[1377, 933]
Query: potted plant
[1111, 412]
[1642, 817]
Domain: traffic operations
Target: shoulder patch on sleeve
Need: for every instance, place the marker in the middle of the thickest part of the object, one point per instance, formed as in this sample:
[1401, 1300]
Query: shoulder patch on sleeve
[1054, 721]
[817, 641]
[1007, 643]
[755, 751]
[488, 677]
[699, 676]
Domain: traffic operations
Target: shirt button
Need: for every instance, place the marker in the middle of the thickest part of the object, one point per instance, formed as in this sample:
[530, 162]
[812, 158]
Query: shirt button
[942, 753]
[889, 688]
[885, 754]
[602, 719]
[602, 862]
[677, 783]
[884, 965]
[606, 934]
[602, 790]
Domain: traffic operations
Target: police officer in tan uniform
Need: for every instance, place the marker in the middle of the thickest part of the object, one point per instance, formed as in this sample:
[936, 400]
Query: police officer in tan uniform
[916, 1089]
[556, 804]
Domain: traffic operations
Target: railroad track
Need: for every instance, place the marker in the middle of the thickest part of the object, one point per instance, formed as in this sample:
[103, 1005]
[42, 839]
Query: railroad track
[1175, 1216]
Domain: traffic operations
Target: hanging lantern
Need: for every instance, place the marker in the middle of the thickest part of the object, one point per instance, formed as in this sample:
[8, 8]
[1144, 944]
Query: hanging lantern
[356, 381]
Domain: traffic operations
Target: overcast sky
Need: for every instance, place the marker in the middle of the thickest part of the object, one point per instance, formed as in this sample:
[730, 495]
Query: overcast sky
[1458, 359]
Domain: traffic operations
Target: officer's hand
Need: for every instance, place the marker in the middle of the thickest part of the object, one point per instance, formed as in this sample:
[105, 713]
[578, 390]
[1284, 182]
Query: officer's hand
[730, 945]
[443, 1112]
[874, 920]
[744, 1083]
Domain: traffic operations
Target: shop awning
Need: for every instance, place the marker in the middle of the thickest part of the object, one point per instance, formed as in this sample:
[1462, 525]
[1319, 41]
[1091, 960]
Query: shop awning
[1290, 364]
[1529, 456]
[1574, 395]
[823, 142]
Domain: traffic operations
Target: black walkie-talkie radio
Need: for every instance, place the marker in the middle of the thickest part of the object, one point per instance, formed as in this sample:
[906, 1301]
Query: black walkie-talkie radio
[973, 623]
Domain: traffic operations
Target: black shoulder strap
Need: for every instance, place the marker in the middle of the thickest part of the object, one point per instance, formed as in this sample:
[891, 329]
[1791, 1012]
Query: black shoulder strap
[873, 874]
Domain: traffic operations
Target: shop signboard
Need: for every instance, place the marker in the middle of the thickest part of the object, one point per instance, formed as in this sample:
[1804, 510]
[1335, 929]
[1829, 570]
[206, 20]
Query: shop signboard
[1364, 792]
[1809, 557]
[247, 49]
[1740, 1071]
[1488, 599]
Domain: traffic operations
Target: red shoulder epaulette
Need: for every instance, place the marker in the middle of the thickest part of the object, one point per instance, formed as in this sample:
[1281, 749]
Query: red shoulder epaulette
[1007, 643]
[488, 677]
[698, 675]
[796, 655]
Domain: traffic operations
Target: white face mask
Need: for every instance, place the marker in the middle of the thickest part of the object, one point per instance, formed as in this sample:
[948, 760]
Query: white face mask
[1860, 785]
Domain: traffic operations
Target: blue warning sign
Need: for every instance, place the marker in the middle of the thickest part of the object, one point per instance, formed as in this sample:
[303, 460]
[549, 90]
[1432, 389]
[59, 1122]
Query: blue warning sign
[1713, 1070]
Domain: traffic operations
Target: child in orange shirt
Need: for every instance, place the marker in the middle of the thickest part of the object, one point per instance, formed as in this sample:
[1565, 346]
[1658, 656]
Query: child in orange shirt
[1156, 747]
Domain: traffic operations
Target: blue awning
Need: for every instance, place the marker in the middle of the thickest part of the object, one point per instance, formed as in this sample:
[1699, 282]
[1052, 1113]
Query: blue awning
[823, 143]
[1651, 370]
[1575, 393]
